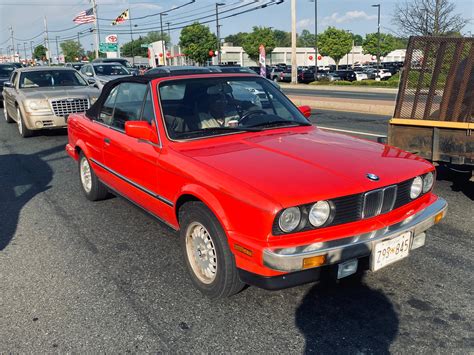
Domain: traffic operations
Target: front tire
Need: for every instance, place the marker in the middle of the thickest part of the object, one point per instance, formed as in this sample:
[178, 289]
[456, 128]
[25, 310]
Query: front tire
[22, 129]
[210, 263]
[91, 185]
[6, 115]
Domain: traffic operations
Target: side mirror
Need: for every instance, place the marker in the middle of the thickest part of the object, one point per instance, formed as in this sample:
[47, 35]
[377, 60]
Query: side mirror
[141, 130]
[91, 81]
[8, 84]
[88, 73]
[305, 110]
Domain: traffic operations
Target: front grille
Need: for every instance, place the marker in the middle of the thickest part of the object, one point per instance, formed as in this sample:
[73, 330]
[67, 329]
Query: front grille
[67, 106]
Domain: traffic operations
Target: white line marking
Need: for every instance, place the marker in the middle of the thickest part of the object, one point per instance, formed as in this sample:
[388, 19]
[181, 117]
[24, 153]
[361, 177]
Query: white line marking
[353, 132]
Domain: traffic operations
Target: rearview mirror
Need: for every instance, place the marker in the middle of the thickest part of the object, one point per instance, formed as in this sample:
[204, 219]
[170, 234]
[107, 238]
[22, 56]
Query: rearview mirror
[8, 84]
[140, 130]
[305, 110]
[91, 81]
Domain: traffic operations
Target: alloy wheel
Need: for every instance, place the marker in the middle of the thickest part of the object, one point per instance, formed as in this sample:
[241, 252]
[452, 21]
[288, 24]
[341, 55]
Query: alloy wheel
[86, 177]
[201, 252]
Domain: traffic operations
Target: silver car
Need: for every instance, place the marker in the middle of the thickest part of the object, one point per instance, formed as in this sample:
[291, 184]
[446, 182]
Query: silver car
[104, 72]
[43, 97]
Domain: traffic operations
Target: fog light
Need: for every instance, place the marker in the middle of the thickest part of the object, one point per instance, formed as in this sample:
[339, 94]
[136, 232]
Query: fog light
[418, 241]
[314, 261]
[38, 124]
[347, 268]
[438, 217]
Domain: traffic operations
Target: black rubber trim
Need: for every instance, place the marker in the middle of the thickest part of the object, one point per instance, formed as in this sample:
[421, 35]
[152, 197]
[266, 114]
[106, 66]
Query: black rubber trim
[282, 281]
[134, 184]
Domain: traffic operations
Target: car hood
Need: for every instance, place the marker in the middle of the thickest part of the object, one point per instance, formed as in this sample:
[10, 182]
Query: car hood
[55, 92]
[110, 77]
[306, 164]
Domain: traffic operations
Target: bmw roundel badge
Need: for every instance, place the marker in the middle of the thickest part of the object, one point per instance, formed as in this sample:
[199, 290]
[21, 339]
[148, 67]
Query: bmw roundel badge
[372, 177]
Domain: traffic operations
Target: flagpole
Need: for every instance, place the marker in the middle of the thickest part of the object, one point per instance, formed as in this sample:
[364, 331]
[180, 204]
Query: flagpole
[131, 32]
[96, 29]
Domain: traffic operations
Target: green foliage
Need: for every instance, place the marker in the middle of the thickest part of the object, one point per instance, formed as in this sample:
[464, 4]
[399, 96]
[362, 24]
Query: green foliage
[282, 38]
[72, 50]
[236, 39]
[392, 82]
[39, 52]
[358, 40]
[135, 45]
[306, 39]
[259, 35]
[335, 43]
[387, 44]
[196, 41]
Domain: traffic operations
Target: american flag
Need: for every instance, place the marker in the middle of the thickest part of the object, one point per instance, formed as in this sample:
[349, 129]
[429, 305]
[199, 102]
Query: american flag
[86, 16]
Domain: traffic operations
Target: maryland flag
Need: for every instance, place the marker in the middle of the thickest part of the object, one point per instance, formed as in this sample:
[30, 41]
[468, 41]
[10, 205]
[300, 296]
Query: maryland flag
[121, 18]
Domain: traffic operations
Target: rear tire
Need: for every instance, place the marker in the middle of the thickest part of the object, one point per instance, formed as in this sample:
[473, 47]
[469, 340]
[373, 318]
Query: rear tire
[210, 263]
[22, 129]
[91, 185]
[6, 115]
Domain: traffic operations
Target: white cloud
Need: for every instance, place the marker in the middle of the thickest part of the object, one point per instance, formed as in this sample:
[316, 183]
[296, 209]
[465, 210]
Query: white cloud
[304, 23]
[349, 16]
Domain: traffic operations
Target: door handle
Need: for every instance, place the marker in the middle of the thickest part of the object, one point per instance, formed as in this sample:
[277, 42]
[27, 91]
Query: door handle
[107, 141]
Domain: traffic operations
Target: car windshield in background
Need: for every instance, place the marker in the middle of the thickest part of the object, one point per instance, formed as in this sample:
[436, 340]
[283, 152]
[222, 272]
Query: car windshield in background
[6, 70]
[195, 108]
[110, 69]
[50, 78]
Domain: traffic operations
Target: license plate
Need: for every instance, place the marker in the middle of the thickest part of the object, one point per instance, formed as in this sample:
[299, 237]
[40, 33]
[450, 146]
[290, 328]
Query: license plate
[389, 251]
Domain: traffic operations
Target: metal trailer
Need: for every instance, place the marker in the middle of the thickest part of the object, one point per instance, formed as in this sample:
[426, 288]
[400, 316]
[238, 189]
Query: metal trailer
[434, 111]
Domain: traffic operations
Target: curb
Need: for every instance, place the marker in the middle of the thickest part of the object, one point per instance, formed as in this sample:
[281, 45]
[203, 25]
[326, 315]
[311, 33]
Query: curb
[338, 88]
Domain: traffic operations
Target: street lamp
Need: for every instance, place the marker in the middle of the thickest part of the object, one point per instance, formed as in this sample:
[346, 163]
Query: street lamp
[218, 32]
[315, 37]
[378, 39]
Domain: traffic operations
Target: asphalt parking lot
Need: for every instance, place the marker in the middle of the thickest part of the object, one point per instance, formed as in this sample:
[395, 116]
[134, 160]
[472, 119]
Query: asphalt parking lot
[78, 276]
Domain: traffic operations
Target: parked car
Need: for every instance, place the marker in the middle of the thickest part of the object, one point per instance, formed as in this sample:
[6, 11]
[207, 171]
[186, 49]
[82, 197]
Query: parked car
[43, 97]
[6, 71]
[360, 75]
[285, 75]
[275, 74]
[333, 76]
[122, 61]
[176, 70]
[237, 181]
[104, 72]
[75, 65]
[306, 76]
[347, 75]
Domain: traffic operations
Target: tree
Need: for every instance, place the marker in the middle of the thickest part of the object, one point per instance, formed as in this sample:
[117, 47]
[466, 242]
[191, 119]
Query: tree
[259, 35]
[134, 47]
[358, 39]
[306, 39]
[282, 38]
[236, 39]
[71, 50]
[196, 41]
[39, 52]
[388, 43]
[335, 43]
[427, 18]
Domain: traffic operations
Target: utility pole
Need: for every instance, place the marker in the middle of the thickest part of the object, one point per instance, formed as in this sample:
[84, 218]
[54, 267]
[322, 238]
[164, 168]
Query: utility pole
[163, 42]
[294, 68]
[218, 32]
[18, 51]
[46, 41]
[131, 32]
[31, 48]
[13, 43]
[57, 49]
[315, 38]
[78, 41]
[24, 49]
[96, 28]
[378, 40]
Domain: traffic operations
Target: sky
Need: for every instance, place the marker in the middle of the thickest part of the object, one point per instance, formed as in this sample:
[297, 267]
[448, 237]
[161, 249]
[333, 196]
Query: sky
[27, 17]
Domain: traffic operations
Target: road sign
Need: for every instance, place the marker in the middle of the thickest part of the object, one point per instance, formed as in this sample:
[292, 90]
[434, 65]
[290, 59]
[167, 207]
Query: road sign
[144, 45]
[108, 47]
[111, 39]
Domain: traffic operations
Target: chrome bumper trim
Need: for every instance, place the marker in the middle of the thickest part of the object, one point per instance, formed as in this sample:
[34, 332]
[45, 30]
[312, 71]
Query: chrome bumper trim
[352, 247]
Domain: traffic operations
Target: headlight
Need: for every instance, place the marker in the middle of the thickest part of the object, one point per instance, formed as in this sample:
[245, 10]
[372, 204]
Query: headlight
[38, 105]
[93, 99]
[428, 181]
[416, 187]
[289, 219]
[319, 213]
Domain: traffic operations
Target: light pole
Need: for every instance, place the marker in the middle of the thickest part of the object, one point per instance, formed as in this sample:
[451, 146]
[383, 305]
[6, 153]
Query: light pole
[24, 50]
[163, 43]
[378, 39]
[315, 37]
[218, 33]
[31, 48]
[57, 49]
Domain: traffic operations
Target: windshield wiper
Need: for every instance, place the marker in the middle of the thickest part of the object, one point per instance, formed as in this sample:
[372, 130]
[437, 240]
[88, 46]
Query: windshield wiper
[210, 130]
[280, 123]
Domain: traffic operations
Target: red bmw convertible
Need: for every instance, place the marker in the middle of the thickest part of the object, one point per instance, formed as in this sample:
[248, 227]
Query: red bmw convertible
[259, 195]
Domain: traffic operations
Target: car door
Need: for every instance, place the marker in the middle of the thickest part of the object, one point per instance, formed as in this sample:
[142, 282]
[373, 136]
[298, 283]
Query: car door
[9, 95]
[133, 163]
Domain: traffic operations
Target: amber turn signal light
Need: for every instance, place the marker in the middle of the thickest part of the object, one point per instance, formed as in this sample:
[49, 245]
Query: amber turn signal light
[438, 217]
[314, 261]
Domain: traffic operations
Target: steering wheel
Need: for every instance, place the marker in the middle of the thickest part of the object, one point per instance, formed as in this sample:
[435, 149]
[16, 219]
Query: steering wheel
[245, 117]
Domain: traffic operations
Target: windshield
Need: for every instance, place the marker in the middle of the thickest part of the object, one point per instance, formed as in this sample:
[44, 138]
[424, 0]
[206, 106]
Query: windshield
[195, 108]
[110, 69]
[6, 70]
[51, 78]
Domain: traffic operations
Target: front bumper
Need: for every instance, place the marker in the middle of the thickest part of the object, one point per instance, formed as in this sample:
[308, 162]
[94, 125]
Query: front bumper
[358, 246]
[35, 120]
